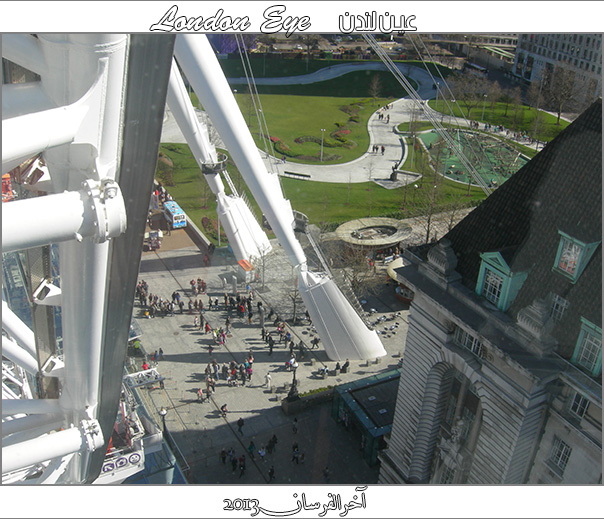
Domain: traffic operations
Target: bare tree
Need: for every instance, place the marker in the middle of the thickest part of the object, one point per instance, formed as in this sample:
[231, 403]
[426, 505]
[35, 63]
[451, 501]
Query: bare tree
[494, 93]
[375, 87]
[561, 89]
[534, 94]
[469, 89]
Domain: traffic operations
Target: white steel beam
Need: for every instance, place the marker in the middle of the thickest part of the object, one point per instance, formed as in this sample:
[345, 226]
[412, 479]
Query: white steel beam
[24, 50]
[97, 211]
[86, 438]
[15, 327]
[30, 406]
[30, 134]
[15, 353]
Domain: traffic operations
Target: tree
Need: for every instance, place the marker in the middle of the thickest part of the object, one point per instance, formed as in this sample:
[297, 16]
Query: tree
[375, 87]
[562, 89]
[534, 94]
[518, 107]
[311, 41]
[507, 97]
[494, 93]
[469, 89]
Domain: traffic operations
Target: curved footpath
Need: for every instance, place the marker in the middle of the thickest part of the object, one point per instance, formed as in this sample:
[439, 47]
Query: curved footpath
[370, 166]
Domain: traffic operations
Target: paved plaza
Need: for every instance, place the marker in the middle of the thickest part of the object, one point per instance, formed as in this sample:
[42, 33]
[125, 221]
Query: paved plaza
[199, 429]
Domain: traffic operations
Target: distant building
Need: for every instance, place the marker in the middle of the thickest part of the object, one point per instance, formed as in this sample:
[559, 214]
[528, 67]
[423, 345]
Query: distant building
[580, 53]
[501, 379]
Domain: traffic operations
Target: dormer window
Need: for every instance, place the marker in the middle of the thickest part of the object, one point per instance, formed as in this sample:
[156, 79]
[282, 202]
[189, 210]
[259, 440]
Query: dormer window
[573, 256]
[570, 253]
[496, 281]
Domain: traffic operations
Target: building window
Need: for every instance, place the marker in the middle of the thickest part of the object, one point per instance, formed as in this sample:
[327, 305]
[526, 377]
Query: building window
[579, 405]
[468, 341]
[493, 283]
[588, 352]
[559, 306]
[569, 256]
[447, 476]
[559, 454]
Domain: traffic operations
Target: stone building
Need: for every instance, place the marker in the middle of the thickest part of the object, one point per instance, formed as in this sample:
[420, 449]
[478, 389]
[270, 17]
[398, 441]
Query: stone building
[501, 380]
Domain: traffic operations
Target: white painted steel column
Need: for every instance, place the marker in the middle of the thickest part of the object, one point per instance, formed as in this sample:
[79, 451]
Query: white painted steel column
[79, 62]
[196, 56]
[197, 138]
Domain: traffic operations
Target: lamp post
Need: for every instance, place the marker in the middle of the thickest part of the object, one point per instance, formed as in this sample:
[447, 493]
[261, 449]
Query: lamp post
[163, 412]
[483, 105]
[322, 135]
[293, 392]
[437, 90]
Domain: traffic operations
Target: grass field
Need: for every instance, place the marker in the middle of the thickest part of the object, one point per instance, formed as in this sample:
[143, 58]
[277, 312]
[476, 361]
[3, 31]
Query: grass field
[295, 117]
[522, 119]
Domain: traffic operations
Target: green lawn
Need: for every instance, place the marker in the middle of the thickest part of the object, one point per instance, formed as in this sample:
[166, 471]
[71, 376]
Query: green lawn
[520, 120]
[295, 117]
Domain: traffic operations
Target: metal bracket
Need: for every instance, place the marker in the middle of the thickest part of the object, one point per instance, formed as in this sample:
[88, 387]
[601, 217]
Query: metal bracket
[108, 206]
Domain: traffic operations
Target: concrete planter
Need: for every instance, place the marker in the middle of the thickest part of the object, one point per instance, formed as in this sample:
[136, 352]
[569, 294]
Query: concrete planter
[305, 402]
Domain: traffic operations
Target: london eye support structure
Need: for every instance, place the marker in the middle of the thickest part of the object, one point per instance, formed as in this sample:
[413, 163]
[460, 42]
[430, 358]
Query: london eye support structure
[93, 121]
[94, 118]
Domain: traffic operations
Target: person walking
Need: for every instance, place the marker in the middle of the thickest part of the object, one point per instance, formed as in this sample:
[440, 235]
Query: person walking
[240, 424]
[271, 474]
[271, 344]
[241, 465]
[223, 456]
[251, 448]
[267, 380]
[295, 426]
[262, 453]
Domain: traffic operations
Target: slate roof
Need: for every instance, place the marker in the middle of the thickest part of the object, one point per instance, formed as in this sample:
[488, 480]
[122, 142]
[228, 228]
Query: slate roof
[559, 189]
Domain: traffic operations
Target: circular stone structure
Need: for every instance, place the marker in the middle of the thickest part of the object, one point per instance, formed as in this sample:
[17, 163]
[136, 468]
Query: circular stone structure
[373, 233]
